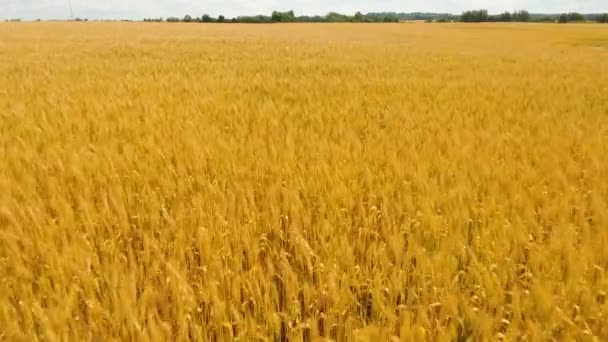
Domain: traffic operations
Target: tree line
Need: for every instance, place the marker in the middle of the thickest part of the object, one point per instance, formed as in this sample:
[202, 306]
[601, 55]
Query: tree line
[288, 17]
[479, 16]
[577, 17]
[474, 16]
[331, 17]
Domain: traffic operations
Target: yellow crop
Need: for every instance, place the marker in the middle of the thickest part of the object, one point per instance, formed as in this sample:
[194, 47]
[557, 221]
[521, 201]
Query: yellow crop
[348, 181]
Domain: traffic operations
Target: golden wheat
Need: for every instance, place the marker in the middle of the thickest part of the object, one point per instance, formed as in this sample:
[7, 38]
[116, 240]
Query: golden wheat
[373, 182]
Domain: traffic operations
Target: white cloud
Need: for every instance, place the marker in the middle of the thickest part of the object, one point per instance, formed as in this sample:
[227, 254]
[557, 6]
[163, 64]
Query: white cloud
[137, 9]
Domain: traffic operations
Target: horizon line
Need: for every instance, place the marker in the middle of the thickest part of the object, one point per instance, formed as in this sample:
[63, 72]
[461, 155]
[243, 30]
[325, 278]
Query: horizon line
[141, 18]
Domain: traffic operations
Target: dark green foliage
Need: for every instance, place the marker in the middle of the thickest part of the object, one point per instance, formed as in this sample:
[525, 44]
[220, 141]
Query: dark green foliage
[258, 19]
[384, 17]
[576, 16]
[334, 17]
[379, 16]
[473, 16]
[477, 16]
[283, 17]
[359, 17]
[570, 17]
[310, 19]
[390, 20]
[505, 17]
[545, 19]
[482, 16]
[596, 17]
[521, 16]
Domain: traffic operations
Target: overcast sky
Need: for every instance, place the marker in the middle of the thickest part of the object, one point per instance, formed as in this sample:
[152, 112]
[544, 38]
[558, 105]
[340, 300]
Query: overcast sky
[137, 9]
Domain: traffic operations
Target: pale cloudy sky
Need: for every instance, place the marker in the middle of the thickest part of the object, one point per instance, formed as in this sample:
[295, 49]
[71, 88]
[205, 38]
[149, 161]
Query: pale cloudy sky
[137, 9]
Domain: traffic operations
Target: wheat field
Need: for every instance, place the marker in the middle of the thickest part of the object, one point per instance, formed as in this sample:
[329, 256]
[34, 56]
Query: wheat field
[303, 182]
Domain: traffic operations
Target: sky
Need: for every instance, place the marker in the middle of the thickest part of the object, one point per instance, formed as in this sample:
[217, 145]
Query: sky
[138, 9]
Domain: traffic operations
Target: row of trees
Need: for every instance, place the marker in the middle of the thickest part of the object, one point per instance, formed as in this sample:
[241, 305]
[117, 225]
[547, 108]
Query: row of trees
[287, 17]
[577, 17]
[189, 19]
[570, 17]
[480, 16]
[475, 16]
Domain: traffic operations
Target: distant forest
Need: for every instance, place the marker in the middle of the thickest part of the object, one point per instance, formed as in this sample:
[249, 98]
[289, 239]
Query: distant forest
[476, 16]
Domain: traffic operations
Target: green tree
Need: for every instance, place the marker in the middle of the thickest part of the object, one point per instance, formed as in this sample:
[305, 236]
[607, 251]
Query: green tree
[574, 16]
[188, 18]
[334, 17]
[206, 18]
[221, 19]
[358, 17]
[475, 16]
[276, 16]
[258, 19]
[545, 19]
[282, 17]
[521, 15]
[505, 17]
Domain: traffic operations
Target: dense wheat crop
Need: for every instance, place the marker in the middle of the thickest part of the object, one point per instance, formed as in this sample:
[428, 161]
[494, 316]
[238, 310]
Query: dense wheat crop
[399, 181]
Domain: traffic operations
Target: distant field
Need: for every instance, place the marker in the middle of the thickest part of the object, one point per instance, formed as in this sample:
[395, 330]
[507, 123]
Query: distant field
[286, 182]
